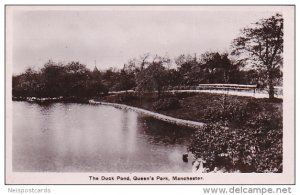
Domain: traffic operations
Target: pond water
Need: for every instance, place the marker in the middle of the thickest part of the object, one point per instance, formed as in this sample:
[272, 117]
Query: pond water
[69, 137]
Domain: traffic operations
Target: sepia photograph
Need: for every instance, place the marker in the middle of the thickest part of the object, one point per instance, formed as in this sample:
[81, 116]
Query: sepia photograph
[149, 94]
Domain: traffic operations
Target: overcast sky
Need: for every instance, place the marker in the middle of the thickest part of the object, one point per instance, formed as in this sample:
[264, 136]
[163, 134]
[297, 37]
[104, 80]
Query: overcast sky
[113, 36]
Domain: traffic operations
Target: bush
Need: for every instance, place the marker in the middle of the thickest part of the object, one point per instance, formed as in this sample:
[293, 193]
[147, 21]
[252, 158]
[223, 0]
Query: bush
[246, 150]
[236, 113]
[241, 136]
[166, 104]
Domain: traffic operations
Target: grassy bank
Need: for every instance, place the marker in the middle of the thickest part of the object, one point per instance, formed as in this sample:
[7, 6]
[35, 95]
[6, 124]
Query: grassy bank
[201, 107]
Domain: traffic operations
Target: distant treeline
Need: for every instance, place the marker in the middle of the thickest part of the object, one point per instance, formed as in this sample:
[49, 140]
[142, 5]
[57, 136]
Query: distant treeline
[143, 75]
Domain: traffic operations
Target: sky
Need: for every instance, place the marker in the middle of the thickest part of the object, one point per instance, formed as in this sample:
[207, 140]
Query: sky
[110, 36]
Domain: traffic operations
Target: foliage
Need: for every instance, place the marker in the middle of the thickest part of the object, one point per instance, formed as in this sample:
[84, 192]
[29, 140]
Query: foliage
[262, 46]
[27, 84]
[74, 79]
[152, 78]
[126, 81]
[240, 137]
[54, 80]
[211, 67]
[166, 104]
[234, 113]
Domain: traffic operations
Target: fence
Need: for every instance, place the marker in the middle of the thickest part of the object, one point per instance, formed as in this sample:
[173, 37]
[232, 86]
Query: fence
[233, 89]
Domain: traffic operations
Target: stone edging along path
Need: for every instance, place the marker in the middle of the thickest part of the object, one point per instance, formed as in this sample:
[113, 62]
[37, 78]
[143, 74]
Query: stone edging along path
[162, 117]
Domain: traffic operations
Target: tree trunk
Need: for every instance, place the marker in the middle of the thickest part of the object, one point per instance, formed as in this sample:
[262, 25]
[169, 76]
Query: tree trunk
[271, 85]
[271, 91]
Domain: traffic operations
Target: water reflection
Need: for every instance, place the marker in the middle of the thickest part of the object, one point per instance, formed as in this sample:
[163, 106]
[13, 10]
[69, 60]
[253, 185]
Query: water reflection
[70, 137]
[159, 132]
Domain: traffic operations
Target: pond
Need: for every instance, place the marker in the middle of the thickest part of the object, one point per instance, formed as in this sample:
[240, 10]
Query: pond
[71, 137]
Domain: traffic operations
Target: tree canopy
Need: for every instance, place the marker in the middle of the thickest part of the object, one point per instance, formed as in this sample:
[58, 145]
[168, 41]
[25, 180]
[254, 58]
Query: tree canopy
[261, 45]
[152, 78]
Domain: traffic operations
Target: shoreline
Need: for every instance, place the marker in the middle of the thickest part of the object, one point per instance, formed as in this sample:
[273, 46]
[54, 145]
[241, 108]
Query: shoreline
[169, 119]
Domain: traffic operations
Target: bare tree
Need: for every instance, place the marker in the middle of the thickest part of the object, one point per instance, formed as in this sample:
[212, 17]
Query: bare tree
[144, 60]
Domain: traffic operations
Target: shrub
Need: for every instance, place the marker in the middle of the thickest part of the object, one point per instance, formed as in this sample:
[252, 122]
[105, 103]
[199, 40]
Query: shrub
[236, 113]
[246, 150]
[240, 136]
[166, 104]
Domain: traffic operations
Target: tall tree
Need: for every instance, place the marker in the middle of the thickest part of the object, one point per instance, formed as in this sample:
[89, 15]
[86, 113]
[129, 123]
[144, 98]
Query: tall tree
[188, 68]
[152, 78]
[262, 46]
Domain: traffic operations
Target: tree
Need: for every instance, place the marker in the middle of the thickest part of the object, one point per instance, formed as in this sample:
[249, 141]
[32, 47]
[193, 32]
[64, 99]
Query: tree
[27, 84]
[109, 77]
[144, 60]
[189, 69]
[76, 79]
[125, 81]
[56, 79]
[262, 46]
[53, 75]
[216, 67]
[152, 78]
